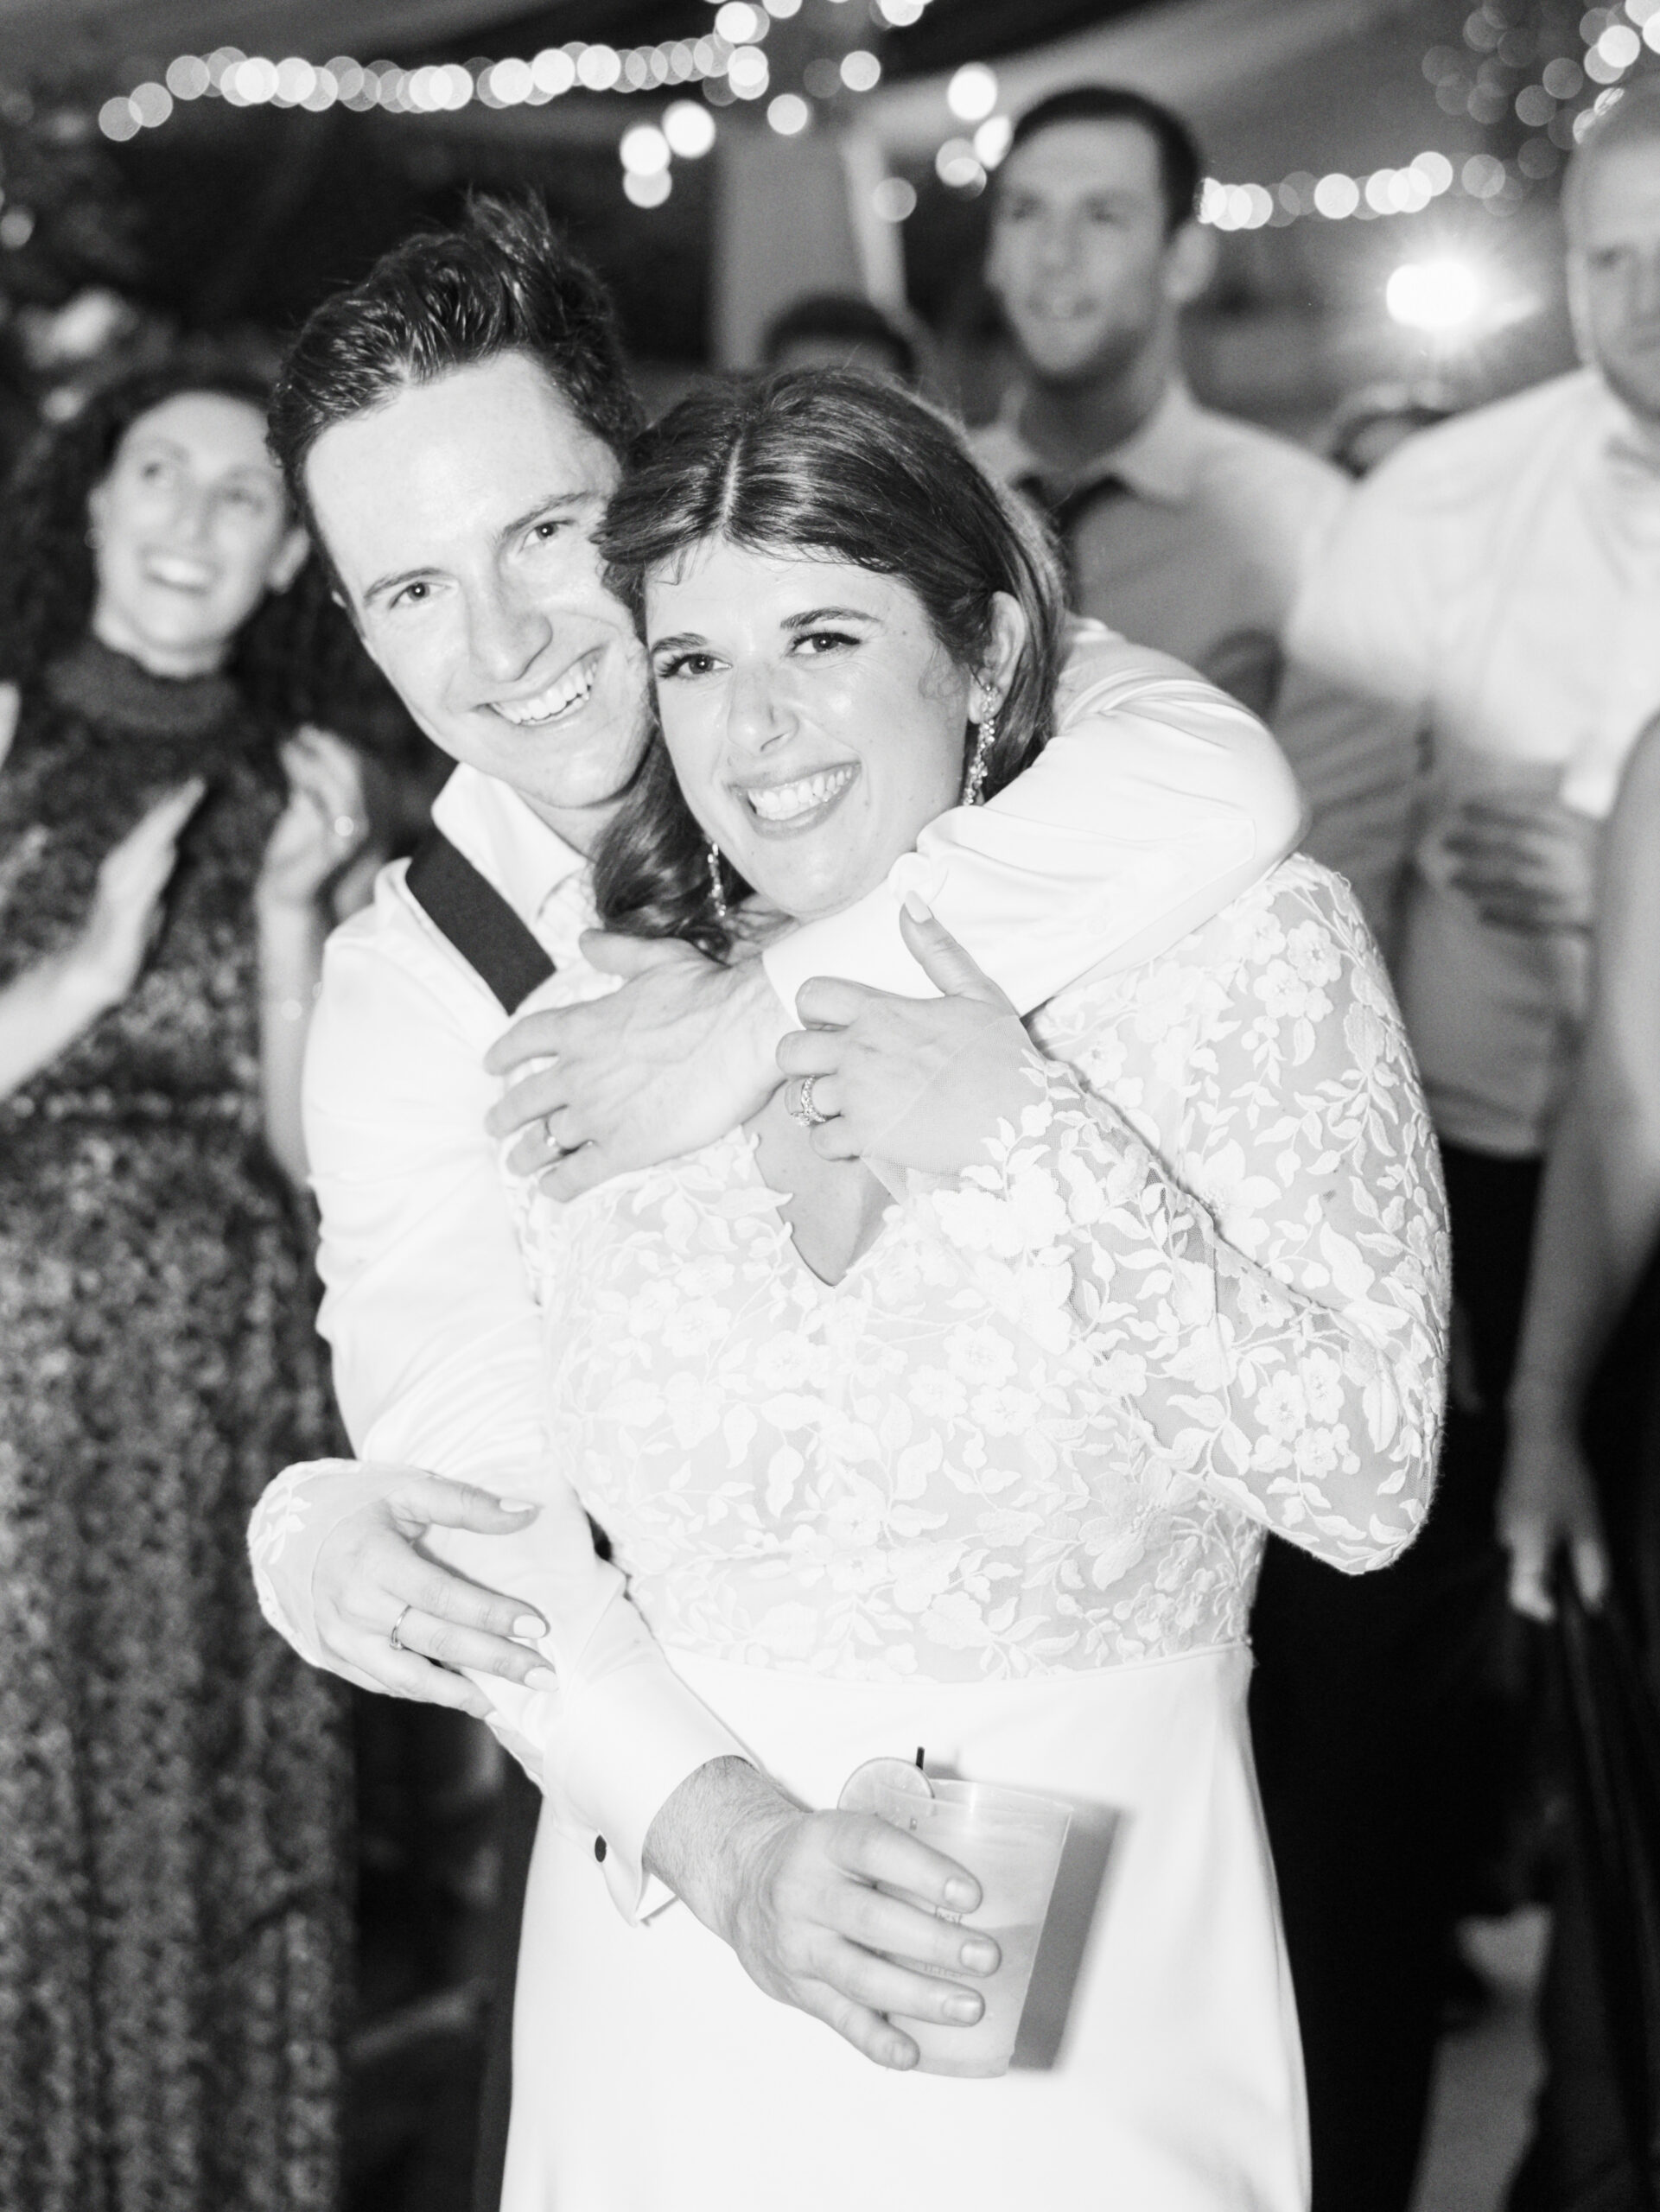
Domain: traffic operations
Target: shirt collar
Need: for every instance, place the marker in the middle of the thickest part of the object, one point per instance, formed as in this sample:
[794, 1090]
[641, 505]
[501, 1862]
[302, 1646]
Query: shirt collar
[492, 826]
[1158, 461]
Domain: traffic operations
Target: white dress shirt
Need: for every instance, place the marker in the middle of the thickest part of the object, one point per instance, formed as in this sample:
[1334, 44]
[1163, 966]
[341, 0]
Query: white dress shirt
[1495, 588]
[1199, 548]
[1157, 801]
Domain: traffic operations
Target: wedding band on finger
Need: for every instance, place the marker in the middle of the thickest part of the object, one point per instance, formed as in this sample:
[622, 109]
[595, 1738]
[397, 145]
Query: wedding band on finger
[394, 1639]
[805, 1110]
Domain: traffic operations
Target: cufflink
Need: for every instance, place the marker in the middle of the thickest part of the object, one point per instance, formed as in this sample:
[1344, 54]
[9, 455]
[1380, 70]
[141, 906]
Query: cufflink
[599, 1849]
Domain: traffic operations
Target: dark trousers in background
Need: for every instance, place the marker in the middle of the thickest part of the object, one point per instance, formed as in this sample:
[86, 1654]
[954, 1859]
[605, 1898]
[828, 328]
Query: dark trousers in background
[1387, 1728]
[515, 1839]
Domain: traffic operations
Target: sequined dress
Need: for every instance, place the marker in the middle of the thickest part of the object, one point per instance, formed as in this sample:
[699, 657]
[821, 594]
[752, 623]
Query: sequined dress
[173, 1931]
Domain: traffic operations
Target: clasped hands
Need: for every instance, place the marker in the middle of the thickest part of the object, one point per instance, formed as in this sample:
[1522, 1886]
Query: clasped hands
[687, 1050]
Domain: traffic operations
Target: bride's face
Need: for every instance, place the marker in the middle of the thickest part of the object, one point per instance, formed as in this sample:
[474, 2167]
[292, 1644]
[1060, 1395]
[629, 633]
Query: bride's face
[815, 722]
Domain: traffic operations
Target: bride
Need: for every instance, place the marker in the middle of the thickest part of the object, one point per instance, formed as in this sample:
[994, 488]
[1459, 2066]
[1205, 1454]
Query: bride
[949, 1402]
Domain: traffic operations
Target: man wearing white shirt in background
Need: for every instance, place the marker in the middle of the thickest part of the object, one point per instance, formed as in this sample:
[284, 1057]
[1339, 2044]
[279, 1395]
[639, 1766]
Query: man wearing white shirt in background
[451, 427]
[1495, 588]
[1182, 528]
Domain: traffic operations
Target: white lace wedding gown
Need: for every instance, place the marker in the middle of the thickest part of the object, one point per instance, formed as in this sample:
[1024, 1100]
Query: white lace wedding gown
[1000, 1492]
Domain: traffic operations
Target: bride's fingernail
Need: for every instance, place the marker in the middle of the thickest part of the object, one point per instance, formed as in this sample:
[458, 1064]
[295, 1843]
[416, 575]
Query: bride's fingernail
[917, 908]
[516, 1504]
[541, 1678]
[528, 1625]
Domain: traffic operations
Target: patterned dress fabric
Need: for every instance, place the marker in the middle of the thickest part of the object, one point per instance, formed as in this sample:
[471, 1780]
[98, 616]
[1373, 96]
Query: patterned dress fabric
[172, 1783]
[1002, 1491]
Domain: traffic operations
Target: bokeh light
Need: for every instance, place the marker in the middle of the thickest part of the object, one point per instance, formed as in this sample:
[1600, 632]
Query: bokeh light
[1435, 297]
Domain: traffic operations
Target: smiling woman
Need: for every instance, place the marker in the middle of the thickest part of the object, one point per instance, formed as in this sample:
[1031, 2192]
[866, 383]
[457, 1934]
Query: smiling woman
[172, 1788]
[967, 1437]
[843, 613]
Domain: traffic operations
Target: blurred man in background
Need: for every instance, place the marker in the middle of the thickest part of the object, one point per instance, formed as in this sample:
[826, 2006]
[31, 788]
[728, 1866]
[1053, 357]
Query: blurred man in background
[1182, 528]
[1493, 588]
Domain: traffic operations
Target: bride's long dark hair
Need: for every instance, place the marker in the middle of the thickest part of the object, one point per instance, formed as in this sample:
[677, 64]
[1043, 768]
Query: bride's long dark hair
[842, 467]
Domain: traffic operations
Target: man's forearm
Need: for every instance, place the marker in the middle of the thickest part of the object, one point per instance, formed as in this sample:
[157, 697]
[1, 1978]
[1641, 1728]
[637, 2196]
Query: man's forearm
[706, 1829]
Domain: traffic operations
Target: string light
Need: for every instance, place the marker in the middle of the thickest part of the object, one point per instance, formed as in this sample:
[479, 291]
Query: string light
[728, 59]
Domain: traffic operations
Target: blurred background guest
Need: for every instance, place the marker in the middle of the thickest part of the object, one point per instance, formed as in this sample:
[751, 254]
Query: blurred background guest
[840, 330]
[1182, 528]
[173, 1941]
[1492, 588]
[1584, 1455]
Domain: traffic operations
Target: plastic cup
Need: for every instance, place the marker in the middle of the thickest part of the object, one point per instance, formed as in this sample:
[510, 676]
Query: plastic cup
[1010, 1842]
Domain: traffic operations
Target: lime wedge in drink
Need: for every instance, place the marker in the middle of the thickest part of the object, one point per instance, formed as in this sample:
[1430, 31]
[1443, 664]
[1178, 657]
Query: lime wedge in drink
[861, 1792]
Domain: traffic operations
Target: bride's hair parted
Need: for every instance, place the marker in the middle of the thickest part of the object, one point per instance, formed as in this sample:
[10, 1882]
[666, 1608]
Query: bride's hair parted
[837, 466]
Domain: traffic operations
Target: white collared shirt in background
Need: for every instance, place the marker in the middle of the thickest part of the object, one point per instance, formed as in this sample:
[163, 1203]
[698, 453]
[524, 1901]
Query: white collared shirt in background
[1157, 802]
[1495, 589]
[1201, 553]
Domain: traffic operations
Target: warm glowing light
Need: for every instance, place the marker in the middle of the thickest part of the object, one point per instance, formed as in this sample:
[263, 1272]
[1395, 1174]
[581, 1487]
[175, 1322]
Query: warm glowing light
[1435, 170]
[861, 72]
[781, 11]
[647, 191]
[788, 114]
[972, 93]
[643, 150]
[958, 165]
[117, 120]
[899, 14]
[152, 104]
[553, 72]
[252, 81]
[738, 24]
[598, 67]
[1337, 195]
[746, 72]
[1619, 46]
[187, 77]
[991, 140]
[894, 200]
[1438, 297]
[689, 128]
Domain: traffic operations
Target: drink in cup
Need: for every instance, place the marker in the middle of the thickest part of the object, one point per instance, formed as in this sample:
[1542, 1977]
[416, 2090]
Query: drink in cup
[1010, 1842]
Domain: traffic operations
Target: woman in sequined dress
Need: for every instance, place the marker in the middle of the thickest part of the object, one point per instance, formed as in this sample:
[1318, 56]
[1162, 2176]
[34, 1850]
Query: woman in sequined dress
[173, 1932]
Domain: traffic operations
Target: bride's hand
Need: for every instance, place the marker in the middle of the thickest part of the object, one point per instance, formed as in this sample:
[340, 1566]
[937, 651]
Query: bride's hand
[795, 1894]
[918, 1083]
[364, 1573]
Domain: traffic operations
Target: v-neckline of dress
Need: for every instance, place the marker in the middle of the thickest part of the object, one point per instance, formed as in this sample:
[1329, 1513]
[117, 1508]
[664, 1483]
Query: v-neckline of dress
[790, 1250]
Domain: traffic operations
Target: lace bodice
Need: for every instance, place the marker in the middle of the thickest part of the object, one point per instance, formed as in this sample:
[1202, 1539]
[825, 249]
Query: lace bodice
[1045, 1420]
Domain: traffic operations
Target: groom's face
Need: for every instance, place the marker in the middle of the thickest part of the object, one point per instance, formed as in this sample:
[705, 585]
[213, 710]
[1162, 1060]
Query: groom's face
[459, 516]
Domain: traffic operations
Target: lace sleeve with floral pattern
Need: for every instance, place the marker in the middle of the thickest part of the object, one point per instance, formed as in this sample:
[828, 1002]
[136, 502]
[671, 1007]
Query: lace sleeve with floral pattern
[1230, 1206]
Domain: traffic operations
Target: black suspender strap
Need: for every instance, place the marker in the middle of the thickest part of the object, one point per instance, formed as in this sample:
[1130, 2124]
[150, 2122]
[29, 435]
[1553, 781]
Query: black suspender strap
[478, 921]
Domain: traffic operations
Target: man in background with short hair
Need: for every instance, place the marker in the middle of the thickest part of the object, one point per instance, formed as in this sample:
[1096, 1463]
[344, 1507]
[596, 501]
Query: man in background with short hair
[1181, 528]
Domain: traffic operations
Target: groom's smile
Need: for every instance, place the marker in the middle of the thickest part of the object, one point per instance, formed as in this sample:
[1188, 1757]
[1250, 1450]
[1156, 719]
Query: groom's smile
[459, 516]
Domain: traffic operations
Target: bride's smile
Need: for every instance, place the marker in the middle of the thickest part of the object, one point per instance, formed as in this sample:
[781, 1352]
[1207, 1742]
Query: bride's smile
[815, 722]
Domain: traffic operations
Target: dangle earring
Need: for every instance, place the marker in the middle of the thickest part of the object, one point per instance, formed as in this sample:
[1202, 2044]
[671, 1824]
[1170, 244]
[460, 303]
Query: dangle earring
[985, 737]
[716, 888]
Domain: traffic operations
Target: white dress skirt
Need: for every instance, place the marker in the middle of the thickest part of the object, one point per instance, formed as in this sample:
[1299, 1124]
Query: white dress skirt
[651, 2074]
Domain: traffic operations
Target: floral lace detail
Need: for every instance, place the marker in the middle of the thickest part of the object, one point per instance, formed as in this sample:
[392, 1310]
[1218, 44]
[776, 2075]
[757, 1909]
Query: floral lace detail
[1045, 1418]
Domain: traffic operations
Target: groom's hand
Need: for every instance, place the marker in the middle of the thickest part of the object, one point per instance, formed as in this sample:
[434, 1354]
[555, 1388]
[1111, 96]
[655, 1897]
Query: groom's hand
[806, 1900]
[681, 1054]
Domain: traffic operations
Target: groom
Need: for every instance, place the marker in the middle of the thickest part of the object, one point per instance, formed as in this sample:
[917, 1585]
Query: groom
[451, 428]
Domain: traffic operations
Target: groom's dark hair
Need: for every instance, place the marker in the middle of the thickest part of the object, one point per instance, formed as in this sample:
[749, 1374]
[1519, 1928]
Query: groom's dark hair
[500, 281]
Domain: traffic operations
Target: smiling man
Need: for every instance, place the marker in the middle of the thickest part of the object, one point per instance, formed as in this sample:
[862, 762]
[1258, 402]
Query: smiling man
[1184, 529]
[451, 430]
